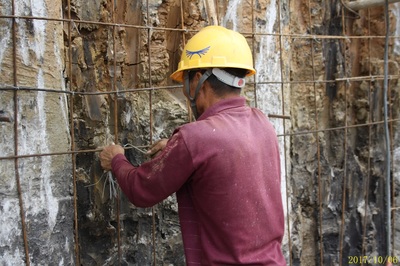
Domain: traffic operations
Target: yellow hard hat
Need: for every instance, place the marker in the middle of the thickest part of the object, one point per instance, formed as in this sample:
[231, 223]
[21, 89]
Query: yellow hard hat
[215, 46]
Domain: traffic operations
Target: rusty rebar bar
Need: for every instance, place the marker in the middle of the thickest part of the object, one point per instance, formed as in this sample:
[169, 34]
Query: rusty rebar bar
[5, 117]
[16, 135]
[149, 33]
[72, 134]
[22, 156]
[185, 30]
[366, 188]
[279, 116]
[182, 30]
[287, 181]
[115, 88]
[344, 190]
[254, 84]
[288, 134]
[4, 87]
[364, 4]
[73, 93]
[320, 209]
[387, 132]
[337, 128]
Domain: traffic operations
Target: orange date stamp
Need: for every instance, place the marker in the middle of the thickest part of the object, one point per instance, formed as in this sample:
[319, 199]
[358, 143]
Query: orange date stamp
[384, 260]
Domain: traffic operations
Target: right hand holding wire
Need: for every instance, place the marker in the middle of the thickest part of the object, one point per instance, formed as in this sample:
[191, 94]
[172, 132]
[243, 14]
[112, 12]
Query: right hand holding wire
[157, 148]
[107, 154]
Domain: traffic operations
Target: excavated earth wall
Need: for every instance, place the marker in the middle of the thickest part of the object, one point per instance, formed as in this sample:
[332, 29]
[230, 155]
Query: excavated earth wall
[333, 180]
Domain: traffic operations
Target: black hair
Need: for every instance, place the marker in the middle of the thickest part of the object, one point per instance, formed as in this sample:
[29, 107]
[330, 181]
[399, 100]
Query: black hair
[218, 86]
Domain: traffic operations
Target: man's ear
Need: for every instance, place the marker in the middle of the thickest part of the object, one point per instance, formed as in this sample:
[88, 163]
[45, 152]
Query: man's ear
[197, 76]
[205, 87]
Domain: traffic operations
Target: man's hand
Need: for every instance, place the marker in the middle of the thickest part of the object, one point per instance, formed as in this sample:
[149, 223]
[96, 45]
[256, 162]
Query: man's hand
[157, 147]
[108, 154]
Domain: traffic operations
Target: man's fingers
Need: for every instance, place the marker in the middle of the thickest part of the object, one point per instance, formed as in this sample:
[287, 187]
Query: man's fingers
[105, 165]
[108, 153]
[157, 147]
[154, 149]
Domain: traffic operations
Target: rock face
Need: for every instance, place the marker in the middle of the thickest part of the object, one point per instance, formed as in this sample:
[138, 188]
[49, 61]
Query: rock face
[333, 181]
[338, 176]
[37, 124]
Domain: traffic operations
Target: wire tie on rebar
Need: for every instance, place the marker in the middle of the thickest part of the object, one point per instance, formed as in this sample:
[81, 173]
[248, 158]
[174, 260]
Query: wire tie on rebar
[109, 177]
[76, 27]
[91, 185]
[316, 39]
[112, 185]
[128, 145]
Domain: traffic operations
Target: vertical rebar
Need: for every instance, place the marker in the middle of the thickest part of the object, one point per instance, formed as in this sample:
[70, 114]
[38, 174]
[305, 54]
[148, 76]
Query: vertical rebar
[116, 95]
[183, 24]
[183, 43]
[387, 137]
[217, 11]
[253, 41]
[344, 188]
[16, 163]
[366, 189]
[284, 129]
[320, 208]
[72, 133]
[149, 32]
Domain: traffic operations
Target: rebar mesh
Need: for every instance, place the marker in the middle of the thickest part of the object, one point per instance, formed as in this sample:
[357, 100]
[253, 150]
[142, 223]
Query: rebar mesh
[322, 87]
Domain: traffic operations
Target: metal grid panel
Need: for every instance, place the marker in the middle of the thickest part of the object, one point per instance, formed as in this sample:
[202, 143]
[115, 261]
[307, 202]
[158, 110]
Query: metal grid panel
[312, 81]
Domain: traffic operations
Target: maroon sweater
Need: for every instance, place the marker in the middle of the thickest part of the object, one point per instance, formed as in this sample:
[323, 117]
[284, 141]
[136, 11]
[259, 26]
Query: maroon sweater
[225, 170]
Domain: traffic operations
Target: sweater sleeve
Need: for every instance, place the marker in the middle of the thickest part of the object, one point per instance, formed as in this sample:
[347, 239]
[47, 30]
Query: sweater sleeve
[157, 179]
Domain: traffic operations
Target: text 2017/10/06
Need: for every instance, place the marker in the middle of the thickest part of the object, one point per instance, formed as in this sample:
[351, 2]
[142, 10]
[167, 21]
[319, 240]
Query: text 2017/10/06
[372, 259]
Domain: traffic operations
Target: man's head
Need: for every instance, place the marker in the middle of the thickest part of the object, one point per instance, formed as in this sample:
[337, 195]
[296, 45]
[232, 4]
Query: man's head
[217, 58]
[223, 81]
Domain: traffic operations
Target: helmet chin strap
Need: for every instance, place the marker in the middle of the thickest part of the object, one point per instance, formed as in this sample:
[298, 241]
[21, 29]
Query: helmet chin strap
[196, 92]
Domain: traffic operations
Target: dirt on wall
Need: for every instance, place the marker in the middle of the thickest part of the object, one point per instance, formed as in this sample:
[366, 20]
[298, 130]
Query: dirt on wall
[328, 169]
[93, 70]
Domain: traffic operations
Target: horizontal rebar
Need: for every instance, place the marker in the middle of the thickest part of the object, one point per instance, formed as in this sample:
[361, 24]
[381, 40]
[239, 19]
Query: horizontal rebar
[336, 128]
[26, 88]
[128, 147]
[5, 117]
[95, 22]
[363, 4]
[5, 87]
[247, 34]
[279, 116]
[139, 148]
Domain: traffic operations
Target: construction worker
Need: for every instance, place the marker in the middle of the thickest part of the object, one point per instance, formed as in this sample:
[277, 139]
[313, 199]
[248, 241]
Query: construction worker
[224, 167]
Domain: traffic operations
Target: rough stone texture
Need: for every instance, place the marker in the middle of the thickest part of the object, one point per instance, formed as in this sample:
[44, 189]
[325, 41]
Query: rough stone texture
[337, 178]
[93, 69]
[42, 127]
[333, 181]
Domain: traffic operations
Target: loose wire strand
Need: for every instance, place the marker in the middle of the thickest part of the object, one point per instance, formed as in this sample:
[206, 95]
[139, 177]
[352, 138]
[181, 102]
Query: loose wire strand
[109, 178]
[386, 129]
[357, 16]
[130, 146]
[112, 184]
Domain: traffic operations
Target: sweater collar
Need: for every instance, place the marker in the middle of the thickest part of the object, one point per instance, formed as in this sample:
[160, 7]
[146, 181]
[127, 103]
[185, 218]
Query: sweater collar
[223, 105]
